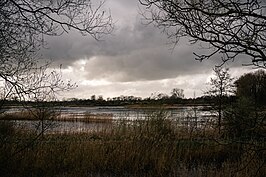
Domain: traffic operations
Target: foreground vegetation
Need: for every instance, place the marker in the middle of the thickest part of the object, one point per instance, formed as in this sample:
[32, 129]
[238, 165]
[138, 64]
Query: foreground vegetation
[155, 146]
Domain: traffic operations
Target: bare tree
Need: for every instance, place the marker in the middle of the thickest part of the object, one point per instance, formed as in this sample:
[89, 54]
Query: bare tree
[221, 86]
[44, 108]
[23, 27]
[24, 24]
[229, 28]
[177, 93]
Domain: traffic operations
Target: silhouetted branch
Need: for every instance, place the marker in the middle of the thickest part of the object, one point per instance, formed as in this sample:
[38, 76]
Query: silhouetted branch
[229, 27]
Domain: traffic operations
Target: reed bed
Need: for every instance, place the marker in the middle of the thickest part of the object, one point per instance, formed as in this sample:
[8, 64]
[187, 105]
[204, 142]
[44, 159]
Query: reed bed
[87, 117]
[21, 115]
[33, 115]
[152, 147]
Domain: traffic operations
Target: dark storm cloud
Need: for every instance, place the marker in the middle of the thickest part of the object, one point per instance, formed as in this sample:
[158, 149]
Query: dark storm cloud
[68, 48]
[72, 46]
[134, 52]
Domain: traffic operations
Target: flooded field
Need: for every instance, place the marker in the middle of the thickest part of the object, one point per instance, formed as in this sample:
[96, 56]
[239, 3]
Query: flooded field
[78, 119]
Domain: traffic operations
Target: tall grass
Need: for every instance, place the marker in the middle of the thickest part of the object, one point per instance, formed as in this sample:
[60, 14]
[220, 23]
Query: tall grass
[155, 146]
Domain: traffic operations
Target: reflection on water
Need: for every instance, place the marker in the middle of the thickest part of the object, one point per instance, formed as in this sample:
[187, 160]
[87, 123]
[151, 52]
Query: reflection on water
[120, 112]
[63, 126]
[183, 115]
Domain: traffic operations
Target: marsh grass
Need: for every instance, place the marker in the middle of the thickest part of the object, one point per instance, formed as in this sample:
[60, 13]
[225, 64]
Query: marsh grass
[21, 115]
[88, 118]
[155, 146]
[31, 115]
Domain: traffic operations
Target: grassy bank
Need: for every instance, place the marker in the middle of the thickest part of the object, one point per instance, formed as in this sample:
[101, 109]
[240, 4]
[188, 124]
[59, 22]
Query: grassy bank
[151, 147]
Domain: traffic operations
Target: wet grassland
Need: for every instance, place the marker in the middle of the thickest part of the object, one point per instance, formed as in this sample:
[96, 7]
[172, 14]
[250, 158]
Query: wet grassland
[153, 146]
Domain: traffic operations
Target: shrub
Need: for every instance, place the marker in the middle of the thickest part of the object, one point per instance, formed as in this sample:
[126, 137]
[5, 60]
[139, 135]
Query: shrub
[244, 120]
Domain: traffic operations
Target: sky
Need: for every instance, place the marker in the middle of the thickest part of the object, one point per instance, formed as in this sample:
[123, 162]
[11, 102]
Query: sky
[136, 59]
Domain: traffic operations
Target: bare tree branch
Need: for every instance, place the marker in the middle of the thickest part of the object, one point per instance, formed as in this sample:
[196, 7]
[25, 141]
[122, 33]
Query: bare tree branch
[231, 27]
[24, 24]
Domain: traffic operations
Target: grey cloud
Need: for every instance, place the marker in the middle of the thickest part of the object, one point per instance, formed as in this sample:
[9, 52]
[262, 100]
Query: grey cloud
[145, 64]
[68, 48]
[134, 52]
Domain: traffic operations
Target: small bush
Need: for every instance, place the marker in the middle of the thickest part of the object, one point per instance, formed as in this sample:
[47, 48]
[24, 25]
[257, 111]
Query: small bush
[243, 120]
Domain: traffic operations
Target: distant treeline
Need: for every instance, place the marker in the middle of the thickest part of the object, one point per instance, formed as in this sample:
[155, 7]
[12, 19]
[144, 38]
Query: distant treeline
[125, 101]
[250, 86]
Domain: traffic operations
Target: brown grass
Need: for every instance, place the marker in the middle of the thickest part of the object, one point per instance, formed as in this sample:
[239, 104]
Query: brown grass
[151, 147]
[22, 115]
[88, 117]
